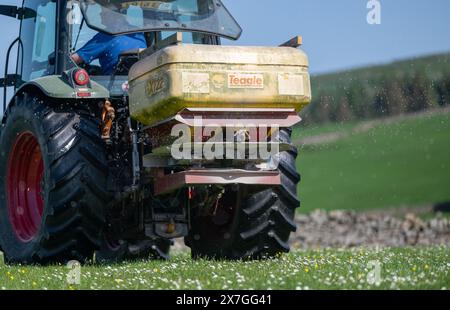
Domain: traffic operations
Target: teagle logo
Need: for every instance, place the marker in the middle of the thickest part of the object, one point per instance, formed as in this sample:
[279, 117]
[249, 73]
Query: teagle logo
[241, 80]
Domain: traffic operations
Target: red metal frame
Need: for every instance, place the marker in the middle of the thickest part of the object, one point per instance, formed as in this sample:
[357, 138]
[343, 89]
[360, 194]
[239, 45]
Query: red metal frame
[166, 183]
[223, 117]
[160, 133]
[24, 176]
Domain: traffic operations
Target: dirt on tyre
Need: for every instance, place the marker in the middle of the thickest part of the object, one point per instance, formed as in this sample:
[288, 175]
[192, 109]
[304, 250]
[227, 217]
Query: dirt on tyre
[250, 223]
[52, 183]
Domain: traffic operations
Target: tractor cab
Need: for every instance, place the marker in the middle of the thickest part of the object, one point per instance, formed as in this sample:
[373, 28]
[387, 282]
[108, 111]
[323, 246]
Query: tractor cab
[51, 31]
[202, 21]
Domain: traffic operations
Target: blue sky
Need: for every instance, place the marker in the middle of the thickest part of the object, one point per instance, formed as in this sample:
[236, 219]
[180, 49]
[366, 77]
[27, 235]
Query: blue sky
[336, 33]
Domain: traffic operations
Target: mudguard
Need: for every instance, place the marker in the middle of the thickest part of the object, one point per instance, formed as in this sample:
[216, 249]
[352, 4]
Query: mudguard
[56, 86]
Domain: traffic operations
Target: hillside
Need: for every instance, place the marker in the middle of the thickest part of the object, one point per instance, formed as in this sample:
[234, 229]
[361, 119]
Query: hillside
[378, 91]
[394, 163]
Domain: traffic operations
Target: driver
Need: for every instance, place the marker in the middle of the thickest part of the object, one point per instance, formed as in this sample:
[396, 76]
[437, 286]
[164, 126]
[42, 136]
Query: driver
[107, 48]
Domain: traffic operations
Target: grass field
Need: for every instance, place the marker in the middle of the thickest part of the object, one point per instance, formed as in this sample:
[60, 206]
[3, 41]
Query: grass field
[420, 268]
[402, 163]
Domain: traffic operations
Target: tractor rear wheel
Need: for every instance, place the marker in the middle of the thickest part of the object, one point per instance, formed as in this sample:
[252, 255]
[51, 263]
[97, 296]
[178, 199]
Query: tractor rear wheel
[250, 224]
[52, 183]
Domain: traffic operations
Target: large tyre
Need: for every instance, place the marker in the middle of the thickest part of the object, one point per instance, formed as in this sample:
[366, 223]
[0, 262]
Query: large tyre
[52, 183]
[259, 223]
[119, 251]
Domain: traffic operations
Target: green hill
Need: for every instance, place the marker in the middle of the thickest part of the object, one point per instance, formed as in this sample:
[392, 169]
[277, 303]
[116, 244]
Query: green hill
[378, 91]
[400, 162]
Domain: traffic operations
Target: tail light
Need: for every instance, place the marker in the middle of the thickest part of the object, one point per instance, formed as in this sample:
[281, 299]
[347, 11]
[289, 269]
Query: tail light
[81, 77]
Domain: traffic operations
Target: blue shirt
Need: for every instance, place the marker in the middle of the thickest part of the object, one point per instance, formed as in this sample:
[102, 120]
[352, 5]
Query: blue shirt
[107, 48]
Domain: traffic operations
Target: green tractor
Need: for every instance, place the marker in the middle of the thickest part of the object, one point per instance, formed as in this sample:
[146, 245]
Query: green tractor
[183, 138]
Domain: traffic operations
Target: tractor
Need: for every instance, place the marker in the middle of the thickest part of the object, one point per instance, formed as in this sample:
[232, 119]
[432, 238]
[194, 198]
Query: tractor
[186, 138]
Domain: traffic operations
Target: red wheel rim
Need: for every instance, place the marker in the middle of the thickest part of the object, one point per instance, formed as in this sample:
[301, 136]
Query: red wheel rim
[24, 176]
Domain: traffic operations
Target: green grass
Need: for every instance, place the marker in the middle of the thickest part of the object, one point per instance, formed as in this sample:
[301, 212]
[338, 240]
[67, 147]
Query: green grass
[420, 268]
[401, 164]
[406, 163]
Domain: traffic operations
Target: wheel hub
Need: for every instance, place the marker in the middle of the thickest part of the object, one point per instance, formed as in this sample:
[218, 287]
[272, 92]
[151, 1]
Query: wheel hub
[24, 186]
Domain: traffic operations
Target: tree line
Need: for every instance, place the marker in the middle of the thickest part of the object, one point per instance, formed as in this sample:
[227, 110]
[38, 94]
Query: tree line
[379, 91]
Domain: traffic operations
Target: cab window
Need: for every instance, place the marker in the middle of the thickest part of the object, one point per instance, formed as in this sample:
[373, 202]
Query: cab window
[81, 33]
[38, 35]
